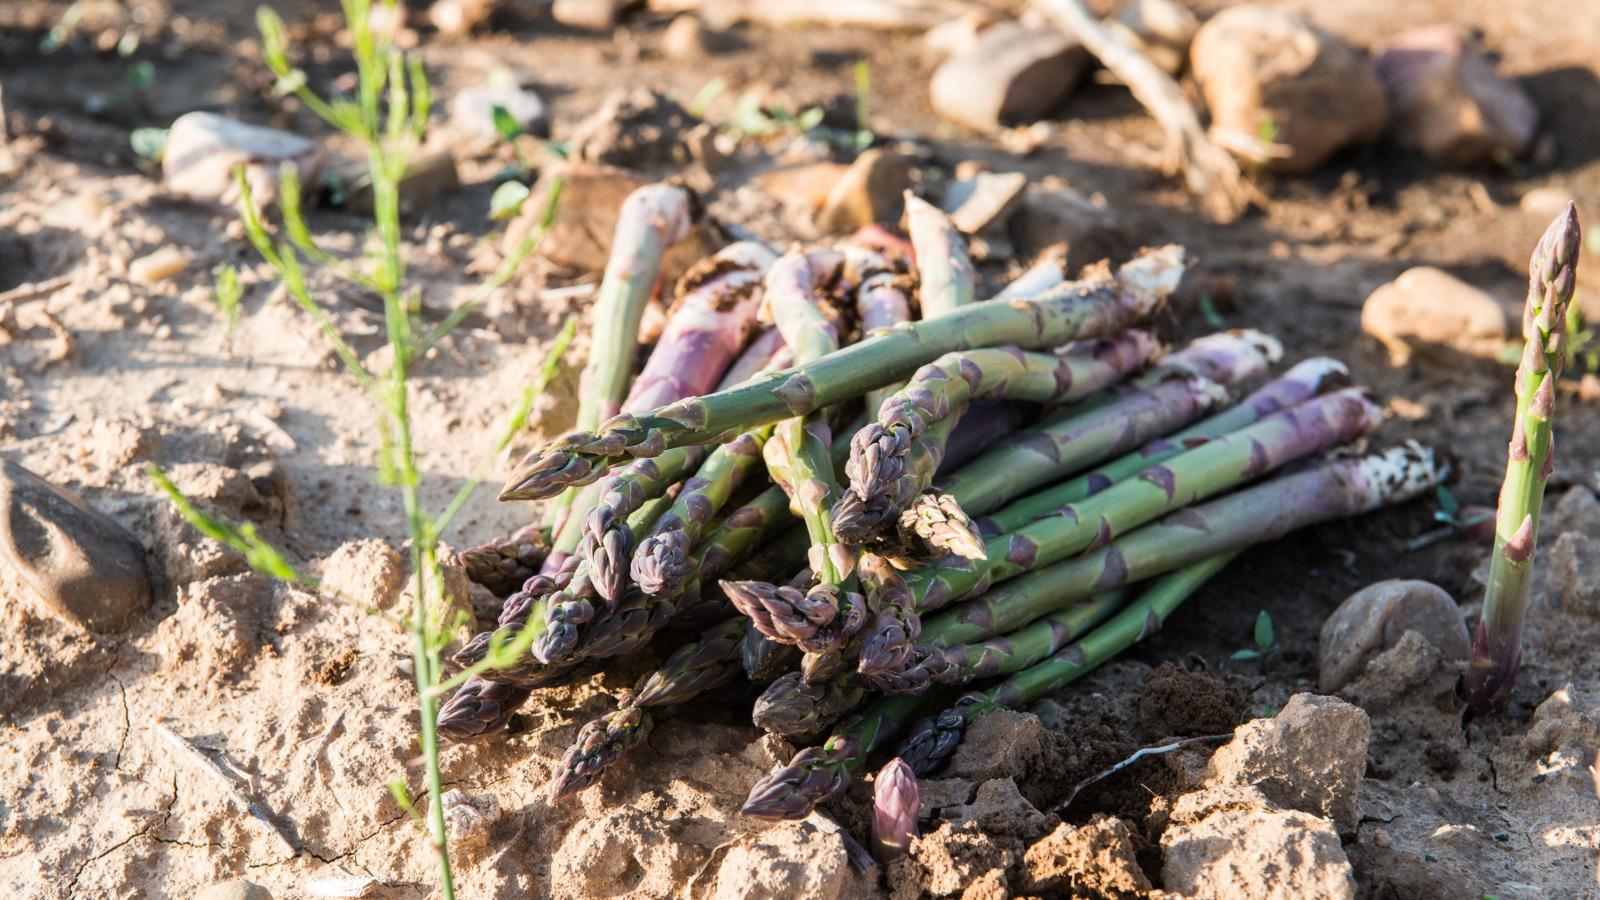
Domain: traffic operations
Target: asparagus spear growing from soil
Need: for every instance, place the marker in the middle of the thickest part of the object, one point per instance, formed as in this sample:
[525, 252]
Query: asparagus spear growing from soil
[932, 740]
[943, 266]
[1098, 306]
[1302, 382]
[1335, 489]
[895, 803]
[1497, 643]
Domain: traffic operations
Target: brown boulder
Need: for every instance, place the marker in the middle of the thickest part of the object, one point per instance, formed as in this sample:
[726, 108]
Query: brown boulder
[1450, 104]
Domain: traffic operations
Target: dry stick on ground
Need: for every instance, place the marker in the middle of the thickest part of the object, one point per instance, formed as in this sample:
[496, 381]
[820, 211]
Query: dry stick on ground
[1208, 171]
[230, 787]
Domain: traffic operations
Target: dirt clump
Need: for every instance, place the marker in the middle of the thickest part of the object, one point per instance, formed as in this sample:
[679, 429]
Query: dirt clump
[957, 854]
[1310, 757]
[1179, 703]
[1096, 859]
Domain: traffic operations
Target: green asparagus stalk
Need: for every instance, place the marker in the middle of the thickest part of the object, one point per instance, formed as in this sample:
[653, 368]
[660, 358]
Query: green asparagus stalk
[607, 546]
[1098, 306]
[931, 741]
[895, 807]
[480, 709]
[1335, 489]
[1497, 642]
[1043, 275]
[878, 452]
[1302, 382]
[943, 266]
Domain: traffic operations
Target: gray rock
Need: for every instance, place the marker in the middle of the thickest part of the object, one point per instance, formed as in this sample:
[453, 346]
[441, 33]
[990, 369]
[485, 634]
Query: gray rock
[472, 110]
[1282, 93]
[203, 148]
[83, 566]
[1374, 618]
[1450, 104]
[1577, 510]
[1258, 853]
[1008, 74]
[1309, 757]
[233, 890]
[1574, 562]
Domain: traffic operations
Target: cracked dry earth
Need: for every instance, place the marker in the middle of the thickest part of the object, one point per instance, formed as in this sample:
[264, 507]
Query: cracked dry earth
[305, 706]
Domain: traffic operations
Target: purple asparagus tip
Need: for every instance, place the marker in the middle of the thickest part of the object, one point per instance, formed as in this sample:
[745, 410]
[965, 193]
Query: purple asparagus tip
[599, 744]
[479, 709]
[932, 741]
[662, 563]
[896, 802]
[815, 775]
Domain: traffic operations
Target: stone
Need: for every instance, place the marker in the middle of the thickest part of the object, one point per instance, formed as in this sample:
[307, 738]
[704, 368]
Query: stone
[1374, 618]
[1001, 744]
[999, 808]
[154, 268]
[84, 567]
[1450, 104]
[1309, 757]
[586, 218]
[429, 176]
[1262, 854]
[1008, 74]
[1160, 29]
[956, 35]
[368, 572]
[870, 191]
[985, 200]
[1574, 565]
[468, 819]
[1060, 217]
[685, 39]
[793, 859]
[458, 18]
[1577, 510]
[594, 15]
[1282, 93]
[1545, 203]
[1410, 674]
[805, 185]
[638, 127]
[1097, 859]
[1426, 306]
[203, 148]
[472, 110]
[233, 890]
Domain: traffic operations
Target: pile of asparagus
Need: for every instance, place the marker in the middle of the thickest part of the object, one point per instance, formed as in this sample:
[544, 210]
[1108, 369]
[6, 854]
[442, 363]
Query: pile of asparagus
[867, 488]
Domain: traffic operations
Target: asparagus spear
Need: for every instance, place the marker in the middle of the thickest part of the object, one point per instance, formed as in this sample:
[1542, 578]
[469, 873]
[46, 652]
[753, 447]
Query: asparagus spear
[607, 545]
[878, 452]
[932, 740]
[652, 218]
[895, 803]
[860, 519]
[1043, 275]
[502, 565]
[1335, 489]
[943, 266]
[936, 521]
[480, 708]
[1302, 382]
[1497, 642]
[1098, 306]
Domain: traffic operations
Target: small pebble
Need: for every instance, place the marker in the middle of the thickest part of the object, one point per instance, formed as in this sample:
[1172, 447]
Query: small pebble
[153, 268]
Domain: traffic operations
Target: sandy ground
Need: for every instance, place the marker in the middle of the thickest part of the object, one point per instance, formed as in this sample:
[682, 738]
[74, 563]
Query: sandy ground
[311, 701]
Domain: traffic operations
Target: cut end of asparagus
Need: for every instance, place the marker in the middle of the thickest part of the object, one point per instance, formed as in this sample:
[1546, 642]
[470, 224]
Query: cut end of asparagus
[1402, 473]
[1152, 276]
[599, 744]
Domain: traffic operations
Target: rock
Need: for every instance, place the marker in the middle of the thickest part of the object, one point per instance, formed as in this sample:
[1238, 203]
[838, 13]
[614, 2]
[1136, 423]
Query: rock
[1450, 104]
[1281, 92]
[1577, 510]
[985, 200]
[580, 237]
[154, 268]
[84, 567]
[793, 859]
[429, 176]
[957, 854]
[469, 819]
[1374, 618]
[233, 890]
[999, 745]
[1545, 203]
[595, 15]
[1094, 860]
[1259, 854]
[870, 191]
[457, 18]
[1411, 672]
[938, 793]
[472, 110]
[999, 808]
[1161, 29]
[956, 35]
[991, 885]
[802, 184]
[1054, 217]
[685, 39]
[1309, 757]
[1009, 74]
[1179, 703]
[203, 148]
[1574, 562]
[1427, 306]
[366, 571]
[640, 127]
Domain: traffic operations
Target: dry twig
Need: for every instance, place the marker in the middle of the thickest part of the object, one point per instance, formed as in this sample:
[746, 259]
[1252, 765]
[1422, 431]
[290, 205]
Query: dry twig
[231, 788]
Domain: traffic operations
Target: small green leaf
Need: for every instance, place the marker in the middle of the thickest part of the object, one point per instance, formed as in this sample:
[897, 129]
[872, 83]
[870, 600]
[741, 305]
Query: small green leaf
[558, 149]
[1448, 504]
[228, 294]
[274, 49]
[289, 82]
[141, 75]
[1263, 631]
[505, 124]
[703, 97]
[863, 90]
[809, 119]
[258, 554]
[149, 143]
[507, 199]
[1208, 311]
[1245, 654]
